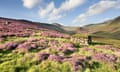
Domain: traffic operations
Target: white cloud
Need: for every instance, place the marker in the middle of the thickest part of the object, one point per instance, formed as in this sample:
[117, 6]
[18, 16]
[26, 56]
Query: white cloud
[70, 4]
[30, 3]
[53, 13]
[101, 7]
[118, 5]
[44, 12]
[96, 9]
[81, 17]
[55, 17]
[105, 19]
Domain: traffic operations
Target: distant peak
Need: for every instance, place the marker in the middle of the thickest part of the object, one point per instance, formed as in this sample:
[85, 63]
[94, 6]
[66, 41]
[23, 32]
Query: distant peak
[3, 18]
[117, 18]
[57, 24]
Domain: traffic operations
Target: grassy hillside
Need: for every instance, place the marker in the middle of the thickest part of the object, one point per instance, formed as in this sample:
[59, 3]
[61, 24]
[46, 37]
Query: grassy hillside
[71, 29]
[34, 47]
[110, 29]
[33, 24]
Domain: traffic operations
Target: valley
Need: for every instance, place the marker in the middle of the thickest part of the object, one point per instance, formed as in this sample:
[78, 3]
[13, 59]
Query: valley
[27, 46]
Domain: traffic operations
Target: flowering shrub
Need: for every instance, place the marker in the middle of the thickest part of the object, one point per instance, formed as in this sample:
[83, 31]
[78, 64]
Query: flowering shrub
[42, 56]
[107, 47]
[105, 57]
[57, 58]
[9, 45]
[77, 62]
[25, 47]
[66, 48]
[54, 34]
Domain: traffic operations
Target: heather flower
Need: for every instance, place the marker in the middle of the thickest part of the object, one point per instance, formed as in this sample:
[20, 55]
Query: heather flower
[54, 34]
[77, 62]
[42, 56]
[9, 45]
[67, 47]
[104, 57]
[2, 39]
[56, 58]
[24, 47]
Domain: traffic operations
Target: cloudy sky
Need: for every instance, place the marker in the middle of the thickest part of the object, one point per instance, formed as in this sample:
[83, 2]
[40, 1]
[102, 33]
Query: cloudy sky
[67, 12]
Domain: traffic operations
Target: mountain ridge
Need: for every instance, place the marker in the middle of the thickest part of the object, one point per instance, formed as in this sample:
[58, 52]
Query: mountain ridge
[54, 26]
[109, 28]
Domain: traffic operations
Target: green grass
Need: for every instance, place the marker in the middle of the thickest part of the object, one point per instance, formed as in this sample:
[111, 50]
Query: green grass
[104, 68]
[80, 35]
[51, 66]
[102, 50]
[27, 62]
[81, 52]
[14, 38]
[108, 41]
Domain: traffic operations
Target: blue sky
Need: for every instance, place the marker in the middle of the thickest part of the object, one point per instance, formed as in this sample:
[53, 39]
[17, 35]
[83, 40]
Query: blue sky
[66, 12]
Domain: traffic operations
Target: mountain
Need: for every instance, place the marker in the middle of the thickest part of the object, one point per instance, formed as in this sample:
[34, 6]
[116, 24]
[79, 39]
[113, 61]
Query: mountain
[22, 25]
[107, 29]
[25, 24]
[71, 29]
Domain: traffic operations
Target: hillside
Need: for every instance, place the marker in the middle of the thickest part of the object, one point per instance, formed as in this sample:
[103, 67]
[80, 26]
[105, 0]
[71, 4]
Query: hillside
[24, 24]
[27, 46]
[71, 29]
[108, 29]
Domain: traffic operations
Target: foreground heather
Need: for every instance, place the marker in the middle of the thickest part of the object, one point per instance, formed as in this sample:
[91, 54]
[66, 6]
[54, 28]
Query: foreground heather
[48, 54]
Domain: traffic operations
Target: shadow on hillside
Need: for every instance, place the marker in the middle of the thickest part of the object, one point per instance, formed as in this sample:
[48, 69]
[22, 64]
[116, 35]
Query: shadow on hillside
[97, 43]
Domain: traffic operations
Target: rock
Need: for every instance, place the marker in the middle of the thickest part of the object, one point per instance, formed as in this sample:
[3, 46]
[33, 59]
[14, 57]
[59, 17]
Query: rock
[7, 22]
[89, 40]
